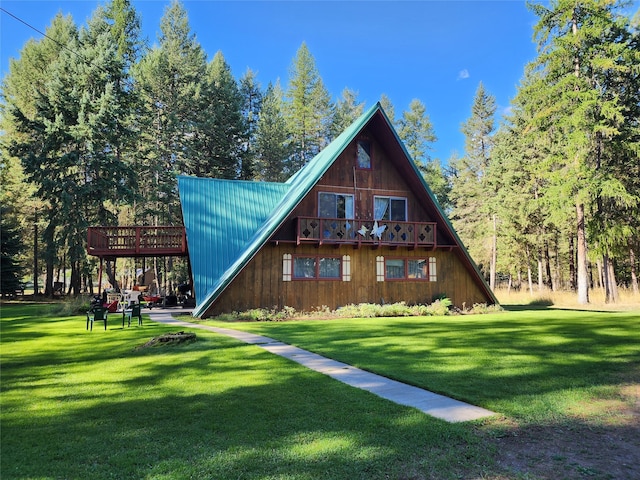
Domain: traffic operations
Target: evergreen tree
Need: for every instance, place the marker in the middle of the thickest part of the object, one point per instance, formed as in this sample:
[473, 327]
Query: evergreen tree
[473, 215]
[389, 109]
[74, 132]
[308, 109]
[416, 131]
[272, 138]
[11, 247]
[346, 111]
[584, 55]
[251, 94]
[170, 80]
[219, 128]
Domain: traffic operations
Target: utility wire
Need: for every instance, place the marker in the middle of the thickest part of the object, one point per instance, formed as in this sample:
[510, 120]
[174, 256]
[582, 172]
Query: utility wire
[52, 39]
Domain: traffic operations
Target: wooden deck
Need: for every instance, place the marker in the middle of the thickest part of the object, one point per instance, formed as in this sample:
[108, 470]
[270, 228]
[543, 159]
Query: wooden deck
[136, 241]
[365, 232]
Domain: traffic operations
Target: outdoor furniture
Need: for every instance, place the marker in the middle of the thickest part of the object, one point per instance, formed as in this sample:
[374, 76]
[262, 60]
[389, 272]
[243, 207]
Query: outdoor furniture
[113, 306]
[133, 310]
[97, 314]
[114, 301]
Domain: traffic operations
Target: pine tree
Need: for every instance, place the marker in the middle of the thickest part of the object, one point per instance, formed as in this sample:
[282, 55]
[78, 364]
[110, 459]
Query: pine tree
[219, 127]
[584, 53]
[389, 109]
[272, 138]
[11, 247]
[308, 109]
[416, 131]
[473, 215]
[251, 94]
[346, 110]
[73, 130]
[169, 79]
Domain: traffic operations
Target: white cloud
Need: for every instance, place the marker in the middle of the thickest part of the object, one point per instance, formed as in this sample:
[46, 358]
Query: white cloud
[463, 74]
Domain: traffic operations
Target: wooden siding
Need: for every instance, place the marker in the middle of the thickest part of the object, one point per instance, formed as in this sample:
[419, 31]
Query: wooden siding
[260, 284]
[383, 179]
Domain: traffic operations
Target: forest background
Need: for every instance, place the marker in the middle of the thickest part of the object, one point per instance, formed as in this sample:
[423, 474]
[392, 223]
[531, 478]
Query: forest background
[96, 126]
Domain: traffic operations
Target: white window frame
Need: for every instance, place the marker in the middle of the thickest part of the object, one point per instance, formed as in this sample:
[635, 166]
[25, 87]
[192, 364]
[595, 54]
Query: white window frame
[336, 194]
[380, 215]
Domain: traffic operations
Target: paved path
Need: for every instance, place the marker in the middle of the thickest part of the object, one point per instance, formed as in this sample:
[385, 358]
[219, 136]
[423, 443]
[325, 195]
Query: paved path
[428, 402]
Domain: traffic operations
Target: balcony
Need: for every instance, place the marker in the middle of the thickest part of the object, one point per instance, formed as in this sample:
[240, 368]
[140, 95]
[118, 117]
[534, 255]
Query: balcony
[365, 232]
[136, 241]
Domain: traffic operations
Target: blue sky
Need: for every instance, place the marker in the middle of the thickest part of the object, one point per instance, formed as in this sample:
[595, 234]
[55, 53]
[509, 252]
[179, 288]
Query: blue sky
[436, 51]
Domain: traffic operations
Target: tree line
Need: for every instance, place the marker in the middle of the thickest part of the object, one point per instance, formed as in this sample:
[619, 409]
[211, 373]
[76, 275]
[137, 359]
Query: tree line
[96, 125]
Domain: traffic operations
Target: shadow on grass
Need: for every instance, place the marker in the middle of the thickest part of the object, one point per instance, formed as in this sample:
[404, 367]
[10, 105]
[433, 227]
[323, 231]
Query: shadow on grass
[230, 412]
[500, 362]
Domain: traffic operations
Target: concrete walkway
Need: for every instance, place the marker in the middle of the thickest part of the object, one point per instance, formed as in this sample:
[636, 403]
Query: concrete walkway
[428, 402]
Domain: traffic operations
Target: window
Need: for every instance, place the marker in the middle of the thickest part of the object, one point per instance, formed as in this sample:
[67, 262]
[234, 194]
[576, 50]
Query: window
[394, 269]
[335, 205]
[390, 208]
[364, 154]
[317, 267]
[410, 269]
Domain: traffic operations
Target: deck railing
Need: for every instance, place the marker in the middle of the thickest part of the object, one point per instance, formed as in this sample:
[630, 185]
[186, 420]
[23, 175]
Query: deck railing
[381, 232]
[136, 241]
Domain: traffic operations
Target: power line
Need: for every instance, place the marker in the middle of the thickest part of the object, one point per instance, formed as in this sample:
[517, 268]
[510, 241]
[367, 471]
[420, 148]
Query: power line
[52, 39]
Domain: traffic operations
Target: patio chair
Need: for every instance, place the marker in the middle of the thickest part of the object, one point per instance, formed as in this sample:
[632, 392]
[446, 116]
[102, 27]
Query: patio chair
[133, 310]
[97, 314]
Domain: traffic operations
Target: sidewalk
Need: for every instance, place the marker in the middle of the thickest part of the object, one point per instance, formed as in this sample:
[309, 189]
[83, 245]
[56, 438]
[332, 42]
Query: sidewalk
[433, 404]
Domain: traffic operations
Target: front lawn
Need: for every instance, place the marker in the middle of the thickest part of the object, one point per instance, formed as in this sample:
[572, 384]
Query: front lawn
[78, 404]
[529, 364]
[89, 405]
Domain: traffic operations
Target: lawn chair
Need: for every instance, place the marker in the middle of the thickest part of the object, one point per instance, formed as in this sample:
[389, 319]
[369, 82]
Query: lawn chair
[133, 310]
[97, 314]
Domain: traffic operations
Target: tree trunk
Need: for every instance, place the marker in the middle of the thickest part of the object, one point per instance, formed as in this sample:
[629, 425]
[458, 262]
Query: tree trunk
[547, 265]
[540, 270]
[494, 256]
[582, 271]
[35, 253]
[529, 271]
[600, 276]
[50, 255]
[605, 279]
[613, 284]
[75, 277]
[111, 275]
[572, 264]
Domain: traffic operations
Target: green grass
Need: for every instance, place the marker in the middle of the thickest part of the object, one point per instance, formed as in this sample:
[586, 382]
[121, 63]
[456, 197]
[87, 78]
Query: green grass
[533, 365]
[78, 404]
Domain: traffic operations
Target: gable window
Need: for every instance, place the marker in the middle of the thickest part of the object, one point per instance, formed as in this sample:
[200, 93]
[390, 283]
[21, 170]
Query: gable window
[410, 269]
[335, 205]
[390, 208]
[364, 154]
[328, 268]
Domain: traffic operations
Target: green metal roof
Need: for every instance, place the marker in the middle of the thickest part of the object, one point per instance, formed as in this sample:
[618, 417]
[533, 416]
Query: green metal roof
[228, 221]
[220, 217]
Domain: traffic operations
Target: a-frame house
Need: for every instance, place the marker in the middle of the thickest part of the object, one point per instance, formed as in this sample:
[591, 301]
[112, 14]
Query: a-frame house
[357, 224]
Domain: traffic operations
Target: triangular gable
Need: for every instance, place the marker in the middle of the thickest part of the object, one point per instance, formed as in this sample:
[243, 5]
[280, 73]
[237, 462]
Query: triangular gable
[442, 219]
[296, 189]
[215, 277]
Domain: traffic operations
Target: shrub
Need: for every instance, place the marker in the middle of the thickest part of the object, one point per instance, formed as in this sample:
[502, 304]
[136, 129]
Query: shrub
[440, 307]
[71, 306]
